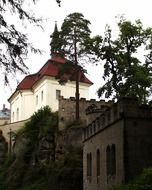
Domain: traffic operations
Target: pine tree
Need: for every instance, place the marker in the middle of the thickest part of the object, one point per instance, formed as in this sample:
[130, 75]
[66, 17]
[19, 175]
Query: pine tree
[73, 39]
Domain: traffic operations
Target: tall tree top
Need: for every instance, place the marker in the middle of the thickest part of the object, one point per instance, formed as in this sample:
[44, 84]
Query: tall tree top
[75, 29]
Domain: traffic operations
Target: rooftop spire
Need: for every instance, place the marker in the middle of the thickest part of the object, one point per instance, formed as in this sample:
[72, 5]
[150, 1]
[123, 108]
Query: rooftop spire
[55, 41]
[56, 27]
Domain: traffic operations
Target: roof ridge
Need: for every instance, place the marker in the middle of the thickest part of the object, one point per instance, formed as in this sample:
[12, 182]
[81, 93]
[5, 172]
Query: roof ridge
[48, 69]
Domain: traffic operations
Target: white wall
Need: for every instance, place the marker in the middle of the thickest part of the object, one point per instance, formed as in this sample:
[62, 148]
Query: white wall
[43, 93]
[27, 107]
[16, 105]
[40, 92]
[67, 90]
[22, 102]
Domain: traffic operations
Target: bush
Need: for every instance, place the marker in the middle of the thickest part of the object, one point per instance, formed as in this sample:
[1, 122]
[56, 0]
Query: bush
[143, 182]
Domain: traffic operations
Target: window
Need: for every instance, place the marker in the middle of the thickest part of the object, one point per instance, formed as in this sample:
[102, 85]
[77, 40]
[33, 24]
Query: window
[108, 160]
[98, 123]
[17, 114]
[58, 94]
[103, 120]
[111, 160]
[90, 130]
[84, 133]
[98, 162]
[87, 131]
[108, 116]
[41, 95]
[89, 164]
[94, 127]
[13, 116]
[36, 99]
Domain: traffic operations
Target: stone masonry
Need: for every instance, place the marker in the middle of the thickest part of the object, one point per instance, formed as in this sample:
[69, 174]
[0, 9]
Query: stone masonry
[117, 145]
[89, 110]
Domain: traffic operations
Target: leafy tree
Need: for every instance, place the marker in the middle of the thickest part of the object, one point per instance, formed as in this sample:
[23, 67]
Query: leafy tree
[125, 72]
[14, 44]
[42, 122]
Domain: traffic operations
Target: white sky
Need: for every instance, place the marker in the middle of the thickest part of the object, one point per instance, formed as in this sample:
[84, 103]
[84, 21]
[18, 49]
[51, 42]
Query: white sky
[99, 13]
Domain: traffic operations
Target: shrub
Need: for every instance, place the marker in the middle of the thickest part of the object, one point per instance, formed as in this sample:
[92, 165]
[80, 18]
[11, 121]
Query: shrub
[143, 182]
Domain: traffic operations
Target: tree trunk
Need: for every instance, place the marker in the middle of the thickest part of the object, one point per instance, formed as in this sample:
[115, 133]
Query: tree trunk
[77, 79]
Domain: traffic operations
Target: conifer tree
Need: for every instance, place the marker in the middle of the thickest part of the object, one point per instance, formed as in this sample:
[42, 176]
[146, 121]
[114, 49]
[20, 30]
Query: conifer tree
[73, 38]
[74, 34]
[75, 30]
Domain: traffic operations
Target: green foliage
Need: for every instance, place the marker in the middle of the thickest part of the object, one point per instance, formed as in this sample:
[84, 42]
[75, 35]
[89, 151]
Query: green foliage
[36, 178]
[74, 37]
[9, 160]
[39, 184]
[68, 72]
[41, 122]
[63, 174]
[67, 174]
[125, 72]
[21, 173]
[15, 43]
[75, 29]
[143, 182]
[72, 43]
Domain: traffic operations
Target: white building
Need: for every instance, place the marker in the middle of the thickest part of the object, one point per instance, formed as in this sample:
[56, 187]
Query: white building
[42, 88]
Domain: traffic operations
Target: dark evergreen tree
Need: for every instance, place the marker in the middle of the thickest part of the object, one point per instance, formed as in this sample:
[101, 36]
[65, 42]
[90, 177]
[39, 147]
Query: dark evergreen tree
[75, 31]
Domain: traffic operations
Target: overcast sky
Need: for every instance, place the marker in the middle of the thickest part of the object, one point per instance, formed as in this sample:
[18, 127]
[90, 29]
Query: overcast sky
[99, 13]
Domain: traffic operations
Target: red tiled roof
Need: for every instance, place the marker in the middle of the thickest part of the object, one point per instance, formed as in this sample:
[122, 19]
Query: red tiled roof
[49, 69]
